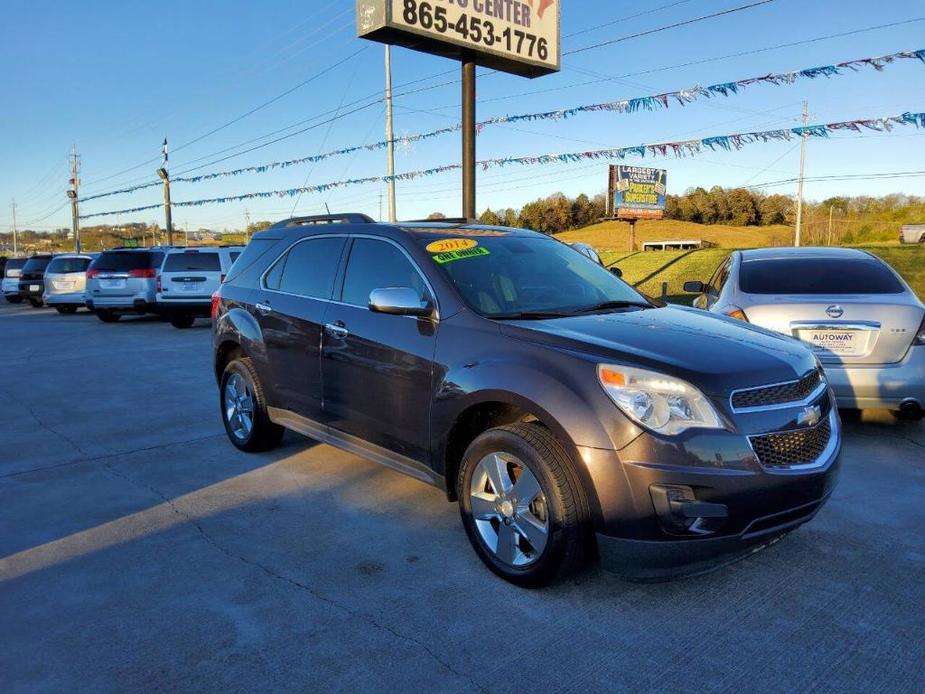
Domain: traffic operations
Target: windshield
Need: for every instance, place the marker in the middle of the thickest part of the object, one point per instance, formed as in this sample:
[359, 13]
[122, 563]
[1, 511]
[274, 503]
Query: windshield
[818, 276]
[509, 276]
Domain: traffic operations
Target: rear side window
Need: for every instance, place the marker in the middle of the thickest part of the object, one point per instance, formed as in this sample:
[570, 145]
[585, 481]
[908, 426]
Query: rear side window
[818, 276]
[253, 252]
[309, 268]
[234, 255]
[377, 265]
[63, 265]
[187, 262]
[115, 261]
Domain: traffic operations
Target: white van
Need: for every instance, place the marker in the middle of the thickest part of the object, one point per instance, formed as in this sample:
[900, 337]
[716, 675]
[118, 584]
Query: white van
[187, 280]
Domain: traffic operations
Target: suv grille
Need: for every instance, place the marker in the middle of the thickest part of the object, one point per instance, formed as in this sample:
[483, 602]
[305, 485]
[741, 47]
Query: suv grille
[795, 391]
[802, 447]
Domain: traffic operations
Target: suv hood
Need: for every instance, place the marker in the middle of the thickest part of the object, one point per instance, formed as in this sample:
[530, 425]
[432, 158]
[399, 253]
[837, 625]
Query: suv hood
[715, 353]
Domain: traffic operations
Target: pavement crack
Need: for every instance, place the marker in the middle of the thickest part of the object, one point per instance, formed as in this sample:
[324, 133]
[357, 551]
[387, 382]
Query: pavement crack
[52, 430]
[275, 575]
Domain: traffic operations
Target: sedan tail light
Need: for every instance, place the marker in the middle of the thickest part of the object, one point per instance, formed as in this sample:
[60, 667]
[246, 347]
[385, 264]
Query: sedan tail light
[735, 312]
[145, 273]
[920, 335]
[157, 287]
[92, 274]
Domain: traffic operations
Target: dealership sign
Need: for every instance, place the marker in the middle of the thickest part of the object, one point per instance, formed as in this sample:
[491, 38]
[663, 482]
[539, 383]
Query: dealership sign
[637, 192]
[516, 36]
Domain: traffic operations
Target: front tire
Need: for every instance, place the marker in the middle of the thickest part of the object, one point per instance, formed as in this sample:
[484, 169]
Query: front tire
[36, 303]
[182, 322]
[13, 299]
[66, 310]
[244, 409]
[523, 506]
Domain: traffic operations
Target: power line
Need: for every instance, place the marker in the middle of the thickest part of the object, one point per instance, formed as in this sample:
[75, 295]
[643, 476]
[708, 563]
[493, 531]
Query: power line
[625, 19]
[657, 30]
[842, 177]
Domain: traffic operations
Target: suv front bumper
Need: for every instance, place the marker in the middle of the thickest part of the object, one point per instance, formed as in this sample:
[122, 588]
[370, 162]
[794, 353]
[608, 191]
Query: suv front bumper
[754, 505]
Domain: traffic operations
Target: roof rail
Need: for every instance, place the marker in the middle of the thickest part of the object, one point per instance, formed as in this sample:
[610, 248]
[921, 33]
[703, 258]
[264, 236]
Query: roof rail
[445, 220]
[344, 218]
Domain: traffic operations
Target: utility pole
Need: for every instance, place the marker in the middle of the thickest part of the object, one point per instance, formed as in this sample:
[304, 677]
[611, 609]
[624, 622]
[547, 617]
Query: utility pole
[247, 226]
[468, 137]
[15, 243]
[799, 230]
[831, 210]
[72, 193]
[162, 172]
[186, 232]
[389, 131]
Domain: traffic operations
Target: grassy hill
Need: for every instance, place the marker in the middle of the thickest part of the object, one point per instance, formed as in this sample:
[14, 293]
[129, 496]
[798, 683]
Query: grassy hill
[614, 236]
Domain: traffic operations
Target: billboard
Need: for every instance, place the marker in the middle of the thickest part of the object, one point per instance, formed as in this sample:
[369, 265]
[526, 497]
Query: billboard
[516, 36]
[637, 192]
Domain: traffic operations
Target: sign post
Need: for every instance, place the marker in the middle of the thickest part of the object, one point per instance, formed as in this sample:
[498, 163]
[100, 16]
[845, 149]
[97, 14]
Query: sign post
[520, 37]
[634, 193]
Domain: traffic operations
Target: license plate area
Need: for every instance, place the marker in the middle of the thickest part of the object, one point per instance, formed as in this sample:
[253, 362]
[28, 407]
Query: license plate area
[836, 342]
[112, 284]
[34, 287]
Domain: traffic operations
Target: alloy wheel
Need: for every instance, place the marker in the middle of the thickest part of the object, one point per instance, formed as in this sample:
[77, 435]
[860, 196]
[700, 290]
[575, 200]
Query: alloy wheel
[239, 406]
[509, 509]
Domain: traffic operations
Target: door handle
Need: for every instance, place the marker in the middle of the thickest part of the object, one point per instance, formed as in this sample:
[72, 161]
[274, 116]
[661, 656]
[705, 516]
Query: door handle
[336, 329]
[263, 309]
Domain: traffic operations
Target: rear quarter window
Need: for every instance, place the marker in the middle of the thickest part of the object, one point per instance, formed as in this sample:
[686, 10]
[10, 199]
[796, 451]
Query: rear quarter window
[192, 262]
[252, 262]
[818, 276]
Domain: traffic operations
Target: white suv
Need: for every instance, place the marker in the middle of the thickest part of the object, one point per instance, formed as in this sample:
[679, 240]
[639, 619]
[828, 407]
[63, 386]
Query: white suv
[188, 278]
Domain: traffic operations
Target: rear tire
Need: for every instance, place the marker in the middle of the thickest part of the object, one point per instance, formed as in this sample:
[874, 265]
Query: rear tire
[244, 409]
[917, 416]
[66, 310]
[182, 322]
[108, 316]
[14, 299]
[36, 303]
[535, 530]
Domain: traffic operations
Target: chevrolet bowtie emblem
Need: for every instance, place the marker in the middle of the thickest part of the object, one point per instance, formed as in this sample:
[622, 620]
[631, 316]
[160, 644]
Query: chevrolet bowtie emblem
[810, 416]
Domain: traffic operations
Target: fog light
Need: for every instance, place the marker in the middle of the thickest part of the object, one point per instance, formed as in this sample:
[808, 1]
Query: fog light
[680, 512]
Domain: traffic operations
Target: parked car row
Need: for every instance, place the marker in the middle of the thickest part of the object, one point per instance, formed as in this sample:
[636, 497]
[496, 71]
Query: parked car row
[174, 282]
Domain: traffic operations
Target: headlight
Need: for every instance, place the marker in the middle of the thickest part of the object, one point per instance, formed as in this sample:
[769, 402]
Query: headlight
[664, 404]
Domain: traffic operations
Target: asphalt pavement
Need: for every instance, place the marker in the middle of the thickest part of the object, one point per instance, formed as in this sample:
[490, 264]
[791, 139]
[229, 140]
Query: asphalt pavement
[139, 551]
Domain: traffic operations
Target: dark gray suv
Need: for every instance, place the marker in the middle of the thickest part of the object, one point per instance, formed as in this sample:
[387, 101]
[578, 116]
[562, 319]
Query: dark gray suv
[566, 413]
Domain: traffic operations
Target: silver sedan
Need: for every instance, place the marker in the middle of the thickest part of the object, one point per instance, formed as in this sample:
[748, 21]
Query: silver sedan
[865, 324]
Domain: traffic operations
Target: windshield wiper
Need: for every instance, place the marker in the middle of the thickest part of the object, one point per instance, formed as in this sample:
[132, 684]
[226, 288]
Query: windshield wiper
[604, 305]
[529, 315]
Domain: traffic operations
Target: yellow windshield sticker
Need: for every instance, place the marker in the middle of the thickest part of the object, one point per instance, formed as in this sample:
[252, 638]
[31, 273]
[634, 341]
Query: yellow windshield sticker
[448, 245]
[450, 256]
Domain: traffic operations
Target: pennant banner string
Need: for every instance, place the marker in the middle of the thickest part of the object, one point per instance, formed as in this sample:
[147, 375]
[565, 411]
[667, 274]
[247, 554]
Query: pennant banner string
[681, 148]
[644, 103]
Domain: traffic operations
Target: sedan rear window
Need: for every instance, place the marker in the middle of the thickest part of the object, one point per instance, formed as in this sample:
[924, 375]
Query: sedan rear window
[63, 265]
[111, 261]
[186, 262]
[818, 276]
[14, 264]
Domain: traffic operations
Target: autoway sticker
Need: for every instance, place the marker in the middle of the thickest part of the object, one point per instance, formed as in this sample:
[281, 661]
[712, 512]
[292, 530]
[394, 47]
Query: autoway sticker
[447, 245]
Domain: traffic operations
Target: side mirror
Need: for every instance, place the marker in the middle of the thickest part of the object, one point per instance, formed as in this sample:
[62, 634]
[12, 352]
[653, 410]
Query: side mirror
[400, 301]
[616, 272]
[694, 287]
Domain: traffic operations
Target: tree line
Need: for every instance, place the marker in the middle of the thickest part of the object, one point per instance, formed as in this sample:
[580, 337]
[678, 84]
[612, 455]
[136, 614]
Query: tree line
[731, 206]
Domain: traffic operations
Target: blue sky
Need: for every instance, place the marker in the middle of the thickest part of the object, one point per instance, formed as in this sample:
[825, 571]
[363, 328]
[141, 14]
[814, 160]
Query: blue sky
[116, 78]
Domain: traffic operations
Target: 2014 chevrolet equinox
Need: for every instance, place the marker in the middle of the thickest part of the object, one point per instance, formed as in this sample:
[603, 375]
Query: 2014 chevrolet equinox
[563, 410]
